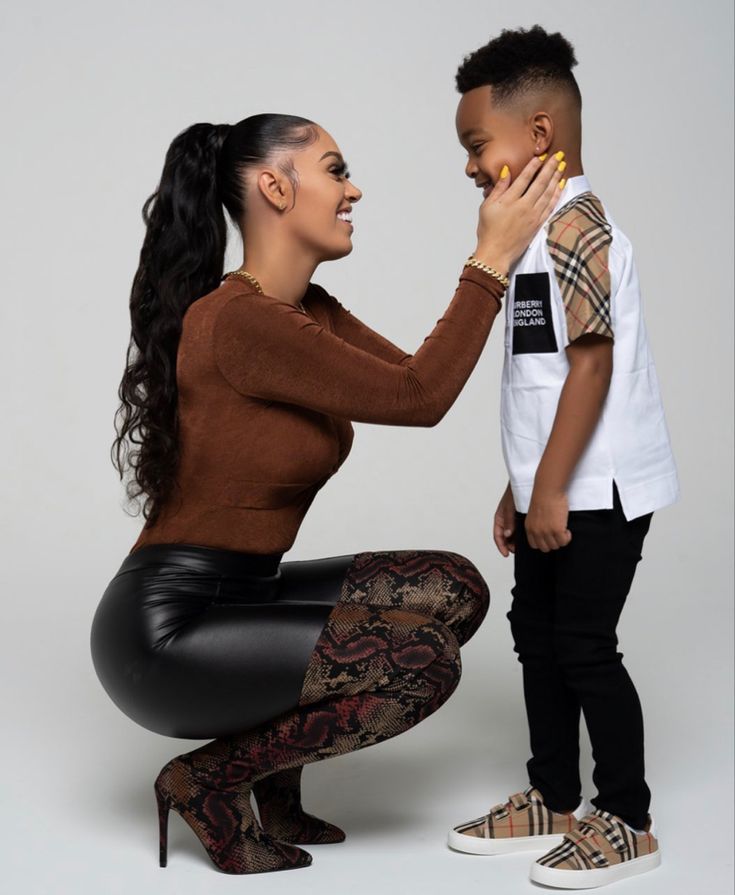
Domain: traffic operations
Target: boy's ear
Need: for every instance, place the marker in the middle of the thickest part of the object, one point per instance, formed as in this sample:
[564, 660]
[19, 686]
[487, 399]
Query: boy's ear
[542, 130]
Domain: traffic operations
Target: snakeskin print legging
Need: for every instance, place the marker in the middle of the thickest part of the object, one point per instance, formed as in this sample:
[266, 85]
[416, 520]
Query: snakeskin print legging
[387, 658]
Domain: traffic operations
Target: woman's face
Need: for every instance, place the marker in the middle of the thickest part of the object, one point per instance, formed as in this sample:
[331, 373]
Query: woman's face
[319, 211]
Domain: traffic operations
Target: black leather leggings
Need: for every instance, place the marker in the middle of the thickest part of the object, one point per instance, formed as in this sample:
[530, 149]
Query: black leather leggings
[195, 642]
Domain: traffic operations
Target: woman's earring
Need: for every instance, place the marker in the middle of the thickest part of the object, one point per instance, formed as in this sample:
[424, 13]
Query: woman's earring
[282, 206]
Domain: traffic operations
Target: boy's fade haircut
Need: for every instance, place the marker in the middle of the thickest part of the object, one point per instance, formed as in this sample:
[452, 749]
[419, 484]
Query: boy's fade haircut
[518, 62]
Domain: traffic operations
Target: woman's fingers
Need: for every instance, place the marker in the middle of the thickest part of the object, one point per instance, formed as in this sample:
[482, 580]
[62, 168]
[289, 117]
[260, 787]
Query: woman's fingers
[501, 185]
[550, 196]
[548, 178]
[511, 215]
[521, 183]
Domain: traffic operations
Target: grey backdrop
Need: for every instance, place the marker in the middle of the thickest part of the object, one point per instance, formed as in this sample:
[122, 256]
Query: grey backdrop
[94, 92]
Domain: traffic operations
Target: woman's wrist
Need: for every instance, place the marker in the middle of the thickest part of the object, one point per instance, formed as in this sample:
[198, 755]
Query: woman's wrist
[494, 258]
[488, 269]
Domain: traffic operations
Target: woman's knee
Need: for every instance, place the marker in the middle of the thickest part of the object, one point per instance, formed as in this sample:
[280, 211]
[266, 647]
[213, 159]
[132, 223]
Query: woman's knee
[456, 593]
[472, 594]
[440, 584]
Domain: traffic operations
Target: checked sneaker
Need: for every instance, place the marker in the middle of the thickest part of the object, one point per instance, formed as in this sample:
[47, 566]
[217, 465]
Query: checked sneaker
[523, 823]
[602, 850]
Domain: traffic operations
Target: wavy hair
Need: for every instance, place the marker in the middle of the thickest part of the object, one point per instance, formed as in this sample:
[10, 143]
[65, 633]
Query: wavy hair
[181, 260]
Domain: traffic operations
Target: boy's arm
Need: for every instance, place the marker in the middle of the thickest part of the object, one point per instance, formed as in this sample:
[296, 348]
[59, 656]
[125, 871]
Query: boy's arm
[580, 405]
[579, 240]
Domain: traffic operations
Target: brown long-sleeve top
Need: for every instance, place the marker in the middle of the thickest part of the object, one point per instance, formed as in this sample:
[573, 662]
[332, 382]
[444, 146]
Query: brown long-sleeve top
[267, 393]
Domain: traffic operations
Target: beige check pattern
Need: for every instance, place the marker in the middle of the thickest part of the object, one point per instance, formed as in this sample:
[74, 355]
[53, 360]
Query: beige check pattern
[601, 840]
[578, 241]
[524, 814]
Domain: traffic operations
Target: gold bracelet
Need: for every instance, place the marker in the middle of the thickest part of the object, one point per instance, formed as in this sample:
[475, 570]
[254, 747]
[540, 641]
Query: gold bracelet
[473, 262]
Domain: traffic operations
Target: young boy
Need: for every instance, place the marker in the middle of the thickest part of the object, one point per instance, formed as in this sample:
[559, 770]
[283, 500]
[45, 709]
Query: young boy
[589, 460]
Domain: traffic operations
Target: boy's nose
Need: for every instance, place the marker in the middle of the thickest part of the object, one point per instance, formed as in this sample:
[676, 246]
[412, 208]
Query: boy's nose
[470, 169]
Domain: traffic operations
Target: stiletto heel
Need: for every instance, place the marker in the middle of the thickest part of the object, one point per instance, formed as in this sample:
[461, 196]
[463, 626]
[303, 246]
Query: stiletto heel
[222, 820]
[163, 808]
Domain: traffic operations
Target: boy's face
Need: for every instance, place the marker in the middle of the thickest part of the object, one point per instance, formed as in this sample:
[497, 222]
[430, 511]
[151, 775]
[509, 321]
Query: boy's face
[492, 137]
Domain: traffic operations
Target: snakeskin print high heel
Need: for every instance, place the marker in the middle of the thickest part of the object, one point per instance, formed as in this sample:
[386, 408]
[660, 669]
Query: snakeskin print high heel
[222, 820]
[282, 816]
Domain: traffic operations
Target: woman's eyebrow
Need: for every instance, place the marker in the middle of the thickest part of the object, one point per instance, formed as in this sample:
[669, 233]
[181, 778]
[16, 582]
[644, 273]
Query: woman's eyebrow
[335, 154]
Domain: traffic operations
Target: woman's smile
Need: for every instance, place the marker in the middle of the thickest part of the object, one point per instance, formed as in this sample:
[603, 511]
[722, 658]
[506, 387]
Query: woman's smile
[346, 216]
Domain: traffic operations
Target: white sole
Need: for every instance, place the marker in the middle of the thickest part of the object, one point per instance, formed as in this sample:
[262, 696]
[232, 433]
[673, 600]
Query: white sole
[591, 879]
[474, 845]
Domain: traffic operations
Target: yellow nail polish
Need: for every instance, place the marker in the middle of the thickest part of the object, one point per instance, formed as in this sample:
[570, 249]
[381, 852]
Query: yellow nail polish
[562, 183]
[562, 166]
[542, 158]
[504, 172]
[559, 155]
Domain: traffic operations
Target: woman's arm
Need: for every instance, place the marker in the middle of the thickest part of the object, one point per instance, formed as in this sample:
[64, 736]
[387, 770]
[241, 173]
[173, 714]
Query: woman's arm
[352, 330]
[268, 349]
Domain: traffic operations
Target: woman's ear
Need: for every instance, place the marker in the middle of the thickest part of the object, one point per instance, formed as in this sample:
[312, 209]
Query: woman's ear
[275, 188]
[542, 132]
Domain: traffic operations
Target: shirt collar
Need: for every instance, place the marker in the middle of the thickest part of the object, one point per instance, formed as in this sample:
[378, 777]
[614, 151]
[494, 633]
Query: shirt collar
[574, 187]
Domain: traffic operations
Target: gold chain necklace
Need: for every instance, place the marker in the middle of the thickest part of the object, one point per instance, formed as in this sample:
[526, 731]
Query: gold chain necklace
[245, 276]
[258, 288]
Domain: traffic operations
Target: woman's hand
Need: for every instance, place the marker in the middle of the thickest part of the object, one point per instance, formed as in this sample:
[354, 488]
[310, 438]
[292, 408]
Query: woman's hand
[504, 523]
[513, 212]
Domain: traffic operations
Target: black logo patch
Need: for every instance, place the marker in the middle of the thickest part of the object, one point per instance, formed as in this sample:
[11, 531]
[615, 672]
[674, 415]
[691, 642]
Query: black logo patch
[533, 326]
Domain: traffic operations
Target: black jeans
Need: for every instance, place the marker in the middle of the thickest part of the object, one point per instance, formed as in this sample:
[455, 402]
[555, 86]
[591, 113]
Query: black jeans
[566, 606]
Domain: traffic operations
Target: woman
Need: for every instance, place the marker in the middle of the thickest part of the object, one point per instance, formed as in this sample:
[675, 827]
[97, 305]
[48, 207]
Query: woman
[235, 410]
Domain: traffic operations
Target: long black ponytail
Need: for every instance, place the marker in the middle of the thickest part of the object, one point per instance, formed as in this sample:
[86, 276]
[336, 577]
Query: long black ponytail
[181, 260]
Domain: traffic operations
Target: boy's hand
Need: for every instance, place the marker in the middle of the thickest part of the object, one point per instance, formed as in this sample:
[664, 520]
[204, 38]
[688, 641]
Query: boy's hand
[504, 524]
[546, 522]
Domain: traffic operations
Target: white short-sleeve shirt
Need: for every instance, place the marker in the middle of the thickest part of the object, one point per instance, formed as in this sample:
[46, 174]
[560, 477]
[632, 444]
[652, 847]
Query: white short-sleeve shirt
[578, 276]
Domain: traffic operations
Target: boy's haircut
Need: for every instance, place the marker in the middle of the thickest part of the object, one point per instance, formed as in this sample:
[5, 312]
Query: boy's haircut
[518, 62]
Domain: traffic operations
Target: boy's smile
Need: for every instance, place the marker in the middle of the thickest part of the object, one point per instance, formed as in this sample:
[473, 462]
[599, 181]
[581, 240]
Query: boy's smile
[493, 137]
[511, 132]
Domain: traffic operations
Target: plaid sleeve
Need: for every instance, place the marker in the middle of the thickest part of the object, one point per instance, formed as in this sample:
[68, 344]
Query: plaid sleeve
[578, 241]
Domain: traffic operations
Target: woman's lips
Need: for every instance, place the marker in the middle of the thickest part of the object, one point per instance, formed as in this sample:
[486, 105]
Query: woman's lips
[346, 218]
